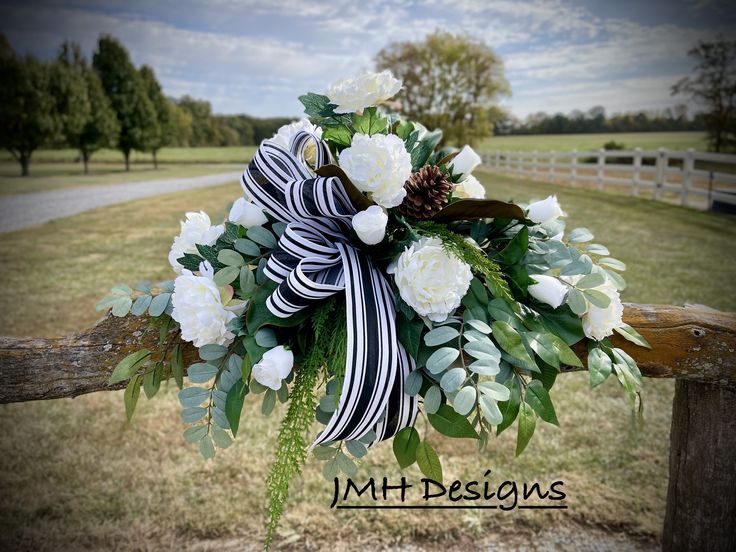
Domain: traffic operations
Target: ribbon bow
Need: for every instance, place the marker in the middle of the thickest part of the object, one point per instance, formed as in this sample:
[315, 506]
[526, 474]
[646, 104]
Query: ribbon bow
[313, 260]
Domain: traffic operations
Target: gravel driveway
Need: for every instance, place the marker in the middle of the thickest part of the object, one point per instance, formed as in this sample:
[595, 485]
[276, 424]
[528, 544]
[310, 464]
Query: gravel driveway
[25, 210]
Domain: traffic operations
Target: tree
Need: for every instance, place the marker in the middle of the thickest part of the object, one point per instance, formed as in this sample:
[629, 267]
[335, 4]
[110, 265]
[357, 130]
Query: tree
[714, 85]
[95, 125]
[165, 129]
[450, 81]
[124, 87]
[28, 115]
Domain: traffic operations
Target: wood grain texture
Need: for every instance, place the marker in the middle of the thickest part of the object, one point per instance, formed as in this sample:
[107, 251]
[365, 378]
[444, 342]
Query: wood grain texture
[691, 343]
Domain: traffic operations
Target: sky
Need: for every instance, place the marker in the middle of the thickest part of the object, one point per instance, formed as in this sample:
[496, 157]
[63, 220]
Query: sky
[257, 57]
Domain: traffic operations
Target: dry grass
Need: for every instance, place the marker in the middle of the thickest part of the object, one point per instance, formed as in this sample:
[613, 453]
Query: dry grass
[75, 475]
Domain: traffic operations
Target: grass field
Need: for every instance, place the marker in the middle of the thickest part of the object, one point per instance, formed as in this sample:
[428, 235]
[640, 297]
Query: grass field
[76, 475]
[54, 176]
[588, 142]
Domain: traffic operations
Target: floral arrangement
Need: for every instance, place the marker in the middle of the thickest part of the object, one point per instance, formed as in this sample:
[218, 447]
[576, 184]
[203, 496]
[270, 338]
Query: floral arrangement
[364, 280]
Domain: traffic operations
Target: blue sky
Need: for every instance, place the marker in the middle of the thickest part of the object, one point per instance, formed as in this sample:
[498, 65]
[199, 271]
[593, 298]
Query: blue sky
[256, 57]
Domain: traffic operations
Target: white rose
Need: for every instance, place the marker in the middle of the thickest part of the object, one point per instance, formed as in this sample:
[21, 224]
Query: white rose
[370, 225]
[545, 210]
[246, 214]
[599, 323]
[470, 188]
[199, 310]
[465, 161]
[548, 290]
[378, 164]
[366, 90]
[274, 367]
[429, 280]
[196, 229]
[284, 134]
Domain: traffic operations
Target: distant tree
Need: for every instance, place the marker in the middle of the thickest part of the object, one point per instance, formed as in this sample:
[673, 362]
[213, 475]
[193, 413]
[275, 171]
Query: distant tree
[181, 121]
[450, 82]
[205, 131]
[714, 85]
[94, 124]
[28, 115]
[163, 134]
[126, 91]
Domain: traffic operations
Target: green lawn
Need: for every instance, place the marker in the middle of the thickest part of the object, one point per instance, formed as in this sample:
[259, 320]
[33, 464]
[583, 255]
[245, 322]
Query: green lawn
[75, 474]
[53, 176]
[588, 142]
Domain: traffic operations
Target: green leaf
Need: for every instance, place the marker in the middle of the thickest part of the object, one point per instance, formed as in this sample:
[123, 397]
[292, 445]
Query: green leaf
[346, 465]
[226, 275]
[579, 235]
[516, 248]
[201, 372]
[610, 262]
[617, 279]
[440, 335]
[453, 379]
[450, 423]
[632, 335]
[130, 397]
[441, 359]
[597, 298]
[510, 341]
[212, 351]
[544, 347]
[599, 366]
[576, 301]
[429, 462]
[497, 391]
[261, 236]
[405, 445]
[538, 398]
[594, 279]
[193, 414]
[480, 326]
[140, 305]
[247, 247]
[413, 383]
[121, 307]
[269, 402]
[356, 448]
[152, 381]
[339, 135]
[266, 338]
[193, 396]
[195, 433]
[221, 438]
[597, 249]
[370, 122]
[464, 401]
[566, 354]
[234, 405]
[527, 423]
[206, 448]
[159, 304]
[228, 257]
[247, 282]
[409, 333]
[509, 409]
[316, 105]
[432, 399]
[177, 365]
[483, 350]
[324, 453]
[128, 366]
[490, 409]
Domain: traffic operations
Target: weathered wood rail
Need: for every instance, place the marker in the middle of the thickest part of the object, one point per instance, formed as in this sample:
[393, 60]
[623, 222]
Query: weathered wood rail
[694, 344]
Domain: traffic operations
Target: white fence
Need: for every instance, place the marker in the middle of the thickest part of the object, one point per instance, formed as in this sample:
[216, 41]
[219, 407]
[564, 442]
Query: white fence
[693, 178]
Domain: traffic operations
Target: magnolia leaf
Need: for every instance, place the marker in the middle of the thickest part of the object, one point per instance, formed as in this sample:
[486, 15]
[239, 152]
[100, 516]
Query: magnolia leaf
[538, 398]
[429, 462]
[405, 446]
[359, 201]
[450, 423]
[234, 405]
[468, 209]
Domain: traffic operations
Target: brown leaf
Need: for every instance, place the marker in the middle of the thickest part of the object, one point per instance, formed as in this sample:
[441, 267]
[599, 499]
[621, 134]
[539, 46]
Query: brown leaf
[359, 201]
[467, 209]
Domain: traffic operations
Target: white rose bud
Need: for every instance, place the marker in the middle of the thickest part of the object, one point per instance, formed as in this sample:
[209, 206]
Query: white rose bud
[370, 225]
[274, 367]
[429, 280]
[599, 323]
[548, 290]
[196, 229]
[545, 210]
[465, 161]
[246, 214]
[470, 188]
[352, 95]
[285, 133]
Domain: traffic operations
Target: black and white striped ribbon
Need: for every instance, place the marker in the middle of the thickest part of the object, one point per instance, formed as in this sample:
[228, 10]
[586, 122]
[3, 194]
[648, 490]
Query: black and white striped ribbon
[314, 260]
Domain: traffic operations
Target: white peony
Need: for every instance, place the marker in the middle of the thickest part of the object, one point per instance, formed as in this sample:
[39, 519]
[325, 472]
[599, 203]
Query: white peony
[431, 281]
[548, 290]
[274, 367]
[378, 164]
[370, 225]
[465, 162]
[246, 214]
[284, 134]
[470, 188]
[196, 229]
[545, 210]
[599, 323]
[354, 94]
[198, 308]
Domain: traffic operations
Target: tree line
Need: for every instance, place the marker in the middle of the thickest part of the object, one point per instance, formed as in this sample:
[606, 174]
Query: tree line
[106, 103]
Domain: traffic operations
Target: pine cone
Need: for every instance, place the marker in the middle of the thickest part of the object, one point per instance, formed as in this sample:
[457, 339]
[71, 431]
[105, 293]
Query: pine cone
[427, 191]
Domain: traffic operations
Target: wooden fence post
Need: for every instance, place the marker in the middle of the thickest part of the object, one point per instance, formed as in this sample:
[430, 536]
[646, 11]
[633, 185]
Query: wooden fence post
[498, 160]
[574, 168]
[601, 168]
[661, 172]
[635, 179]
[687, 175]
[701, 497]
[551, 173]
[534, 164]
[507, 159]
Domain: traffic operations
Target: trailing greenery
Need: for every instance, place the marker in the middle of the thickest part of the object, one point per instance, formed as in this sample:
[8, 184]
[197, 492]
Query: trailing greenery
[467, 252]
[291, 448]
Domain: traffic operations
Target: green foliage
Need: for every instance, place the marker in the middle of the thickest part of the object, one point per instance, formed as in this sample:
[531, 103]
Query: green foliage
[162, 132]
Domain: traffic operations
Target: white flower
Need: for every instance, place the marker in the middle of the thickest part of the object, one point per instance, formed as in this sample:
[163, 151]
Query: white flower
[470, 188]
[366, 90]
[548, 290]
[284, 134]
[378, 164]
[246, 214]
[430, 281]
[196, 229]
[199, 310]
[274, 367]
[370, 225]
[599, 323]
[465, 161]
[545, 210]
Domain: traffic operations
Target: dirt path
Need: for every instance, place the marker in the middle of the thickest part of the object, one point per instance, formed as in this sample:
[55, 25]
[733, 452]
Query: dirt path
[25, 210]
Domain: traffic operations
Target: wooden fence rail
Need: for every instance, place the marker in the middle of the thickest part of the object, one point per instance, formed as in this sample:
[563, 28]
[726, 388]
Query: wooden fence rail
[697, 179]
[694, 344]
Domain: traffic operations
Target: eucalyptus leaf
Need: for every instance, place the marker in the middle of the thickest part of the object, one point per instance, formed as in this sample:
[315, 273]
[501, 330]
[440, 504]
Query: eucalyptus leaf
[261, 236]
[441, 359]
[432, 399]
[413, 383]
[464, 401]
[201, 372]
[158, 304]
[247, 247]
[453, 379]
[440, 335]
